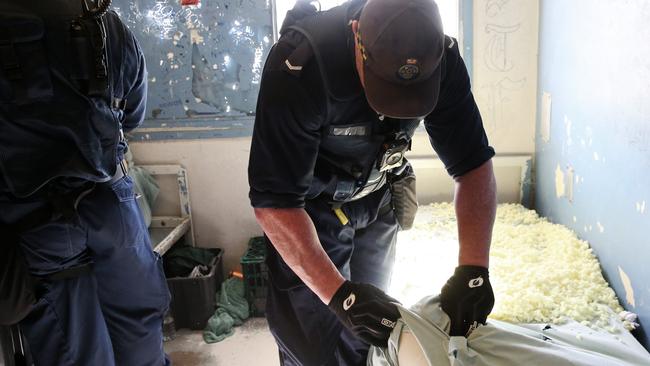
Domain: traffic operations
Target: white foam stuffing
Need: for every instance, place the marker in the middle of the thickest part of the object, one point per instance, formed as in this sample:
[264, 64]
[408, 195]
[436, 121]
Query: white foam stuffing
[541, 272]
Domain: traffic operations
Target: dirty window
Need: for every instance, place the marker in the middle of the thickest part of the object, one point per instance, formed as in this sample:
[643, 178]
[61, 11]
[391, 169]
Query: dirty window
[204, 58]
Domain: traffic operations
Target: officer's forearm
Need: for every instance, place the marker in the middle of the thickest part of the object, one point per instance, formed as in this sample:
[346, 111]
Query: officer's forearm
[293, 235]
[475, 203]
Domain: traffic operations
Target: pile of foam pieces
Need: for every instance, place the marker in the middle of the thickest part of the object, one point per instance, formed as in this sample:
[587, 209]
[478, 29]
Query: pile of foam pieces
[541, 272]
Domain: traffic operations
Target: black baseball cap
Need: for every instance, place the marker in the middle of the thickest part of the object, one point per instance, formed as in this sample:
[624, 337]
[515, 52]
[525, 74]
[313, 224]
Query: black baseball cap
[403, 46]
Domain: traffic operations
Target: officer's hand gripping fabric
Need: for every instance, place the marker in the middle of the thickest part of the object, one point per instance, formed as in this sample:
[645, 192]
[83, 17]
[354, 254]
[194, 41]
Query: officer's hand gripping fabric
[467, 298]
[366, 310]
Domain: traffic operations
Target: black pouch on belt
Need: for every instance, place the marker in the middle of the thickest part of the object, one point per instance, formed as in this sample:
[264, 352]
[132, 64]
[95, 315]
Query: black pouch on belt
[405, 202]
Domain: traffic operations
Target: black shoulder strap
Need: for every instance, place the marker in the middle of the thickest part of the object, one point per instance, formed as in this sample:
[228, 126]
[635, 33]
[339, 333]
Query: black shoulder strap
[329, 37]
[302, 9]
[116, 59]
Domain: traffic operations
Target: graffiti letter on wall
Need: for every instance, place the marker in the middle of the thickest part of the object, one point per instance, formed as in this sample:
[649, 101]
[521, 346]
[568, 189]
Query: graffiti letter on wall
[496, 51]
[498, 94]
[493, 7]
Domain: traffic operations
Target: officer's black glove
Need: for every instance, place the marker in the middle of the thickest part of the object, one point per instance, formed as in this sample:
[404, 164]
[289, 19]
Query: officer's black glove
[467, 298]
[366, 310]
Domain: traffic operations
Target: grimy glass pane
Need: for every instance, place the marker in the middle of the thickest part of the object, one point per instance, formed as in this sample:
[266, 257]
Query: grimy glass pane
[205, 59]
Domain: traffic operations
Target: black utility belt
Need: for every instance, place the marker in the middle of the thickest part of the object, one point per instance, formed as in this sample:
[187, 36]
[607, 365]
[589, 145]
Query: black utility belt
[60, 204]
[351, 190]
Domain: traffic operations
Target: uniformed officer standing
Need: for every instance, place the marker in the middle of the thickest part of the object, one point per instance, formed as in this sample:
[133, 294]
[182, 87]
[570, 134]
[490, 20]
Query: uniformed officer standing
[341, 96]
[72, 77]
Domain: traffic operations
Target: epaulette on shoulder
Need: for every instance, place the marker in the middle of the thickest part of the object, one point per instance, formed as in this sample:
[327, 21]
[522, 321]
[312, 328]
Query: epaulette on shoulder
[450, 42]
[296, 60]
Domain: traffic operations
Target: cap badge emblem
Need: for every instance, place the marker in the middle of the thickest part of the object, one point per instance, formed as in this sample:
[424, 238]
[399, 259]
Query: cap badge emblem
[410, 70]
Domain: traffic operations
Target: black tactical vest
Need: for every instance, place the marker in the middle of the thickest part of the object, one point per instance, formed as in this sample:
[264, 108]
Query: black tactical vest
[58, 116]
[359, 153]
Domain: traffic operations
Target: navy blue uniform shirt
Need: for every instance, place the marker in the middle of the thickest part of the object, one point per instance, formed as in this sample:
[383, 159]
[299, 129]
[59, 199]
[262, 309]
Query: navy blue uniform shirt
[287, 165]
[49, 126]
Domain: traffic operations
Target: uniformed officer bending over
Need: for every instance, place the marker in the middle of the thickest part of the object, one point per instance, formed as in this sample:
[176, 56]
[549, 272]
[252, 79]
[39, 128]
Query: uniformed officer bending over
[341, 95]
[72, 77]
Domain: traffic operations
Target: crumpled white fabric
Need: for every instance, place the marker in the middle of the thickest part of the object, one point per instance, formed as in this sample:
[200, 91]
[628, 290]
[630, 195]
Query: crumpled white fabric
[504, 344]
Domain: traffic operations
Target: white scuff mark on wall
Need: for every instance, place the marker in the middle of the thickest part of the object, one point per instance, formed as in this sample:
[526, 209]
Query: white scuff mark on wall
[567, 125]
[559, 182]
[640, 207]
[569, 183]
[195, 36]
[601, 228]
[596, 156]
[627, 285]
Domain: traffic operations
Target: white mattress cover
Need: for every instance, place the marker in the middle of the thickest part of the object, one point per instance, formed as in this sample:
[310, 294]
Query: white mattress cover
[504, 344]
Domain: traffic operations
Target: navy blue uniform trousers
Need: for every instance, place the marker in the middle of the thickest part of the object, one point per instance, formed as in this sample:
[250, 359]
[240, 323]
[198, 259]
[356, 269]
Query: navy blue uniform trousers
[363, 250]
[114, 314]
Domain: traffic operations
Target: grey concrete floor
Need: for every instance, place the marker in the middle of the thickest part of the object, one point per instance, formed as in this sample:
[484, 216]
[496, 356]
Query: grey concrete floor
[251, 345]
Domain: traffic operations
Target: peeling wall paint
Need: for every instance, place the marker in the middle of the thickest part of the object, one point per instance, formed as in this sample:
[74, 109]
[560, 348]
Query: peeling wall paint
[600, 128]
[627, 285]
[559, 182]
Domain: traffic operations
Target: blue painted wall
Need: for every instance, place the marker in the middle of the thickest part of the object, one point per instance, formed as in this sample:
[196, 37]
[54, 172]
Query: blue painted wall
[594, 60]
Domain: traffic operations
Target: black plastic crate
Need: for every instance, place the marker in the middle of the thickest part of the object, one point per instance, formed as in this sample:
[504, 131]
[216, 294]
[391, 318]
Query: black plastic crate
[194, 299]
[255, 275]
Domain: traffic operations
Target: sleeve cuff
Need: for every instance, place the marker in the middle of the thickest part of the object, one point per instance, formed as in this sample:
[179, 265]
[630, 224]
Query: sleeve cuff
[471, 162]
[275, 200]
